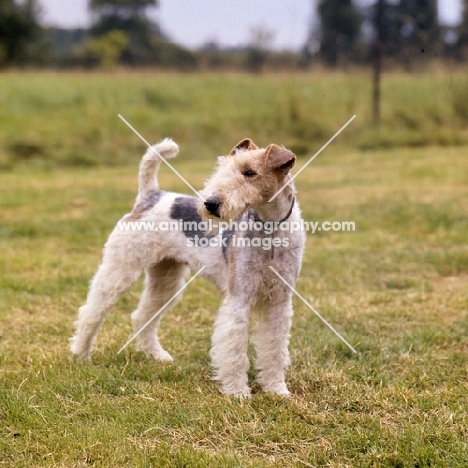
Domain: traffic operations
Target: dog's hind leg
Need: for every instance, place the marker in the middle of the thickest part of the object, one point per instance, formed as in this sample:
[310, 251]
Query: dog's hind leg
[112, 280]
[163, 280]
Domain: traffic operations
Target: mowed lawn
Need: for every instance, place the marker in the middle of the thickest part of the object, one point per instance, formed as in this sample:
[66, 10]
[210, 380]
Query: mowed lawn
[396, 289]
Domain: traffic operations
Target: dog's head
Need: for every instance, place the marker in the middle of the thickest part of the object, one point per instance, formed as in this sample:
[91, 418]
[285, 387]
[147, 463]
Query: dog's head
[247, 178]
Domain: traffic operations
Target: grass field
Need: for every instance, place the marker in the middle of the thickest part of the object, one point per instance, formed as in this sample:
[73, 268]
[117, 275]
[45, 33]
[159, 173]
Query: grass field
[71, 119]
[396, 288]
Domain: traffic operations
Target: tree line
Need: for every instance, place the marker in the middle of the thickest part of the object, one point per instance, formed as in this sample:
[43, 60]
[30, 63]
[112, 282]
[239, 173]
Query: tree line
[408, 30]
[342, 34]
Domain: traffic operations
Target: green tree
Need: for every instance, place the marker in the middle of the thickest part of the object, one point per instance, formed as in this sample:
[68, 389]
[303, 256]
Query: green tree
[107, 49]
[340, 24]
[19, 29]
[410, 30]
[130, 17]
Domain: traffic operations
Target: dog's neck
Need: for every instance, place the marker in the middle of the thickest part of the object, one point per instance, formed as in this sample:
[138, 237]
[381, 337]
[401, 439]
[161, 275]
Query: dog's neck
[279, 209]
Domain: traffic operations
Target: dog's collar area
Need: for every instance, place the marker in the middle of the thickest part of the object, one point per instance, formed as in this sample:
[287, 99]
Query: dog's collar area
[290, 210]
[255, 216]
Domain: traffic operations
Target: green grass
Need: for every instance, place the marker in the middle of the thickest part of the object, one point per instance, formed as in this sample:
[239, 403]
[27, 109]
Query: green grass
[71, 118]
[396, 289]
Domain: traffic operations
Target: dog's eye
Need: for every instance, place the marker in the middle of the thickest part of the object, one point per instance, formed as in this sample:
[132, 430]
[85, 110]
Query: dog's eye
[249, 173]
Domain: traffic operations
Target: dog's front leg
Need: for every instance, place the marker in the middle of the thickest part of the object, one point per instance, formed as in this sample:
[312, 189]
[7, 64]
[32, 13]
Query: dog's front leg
[229, 347]
[271, 339]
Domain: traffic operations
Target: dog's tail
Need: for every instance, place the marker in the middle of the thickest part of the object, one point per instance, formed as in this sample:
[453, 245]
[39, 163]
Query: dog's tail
[149, 166]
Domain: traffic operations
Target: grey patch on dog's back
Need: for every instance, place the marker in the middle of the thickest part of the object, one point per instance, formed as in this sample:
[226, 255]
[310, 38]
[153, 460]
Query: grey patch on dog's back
[185, 209]
[151, 199]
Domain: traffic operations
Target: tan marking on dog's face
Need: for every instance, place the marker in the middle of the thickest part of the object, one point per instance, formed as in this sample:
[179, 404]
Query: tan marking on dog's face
[247, 177]
[279, 159]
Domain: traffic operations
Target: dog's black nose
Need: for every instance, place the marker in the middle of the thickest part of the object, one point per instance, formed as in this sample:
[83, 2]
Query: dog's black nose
[212, 205]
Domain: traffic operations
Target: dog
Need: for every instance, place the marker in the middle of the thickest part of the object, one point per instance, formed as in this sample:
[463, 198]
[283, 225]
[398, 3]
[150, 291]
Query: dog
[236, 235]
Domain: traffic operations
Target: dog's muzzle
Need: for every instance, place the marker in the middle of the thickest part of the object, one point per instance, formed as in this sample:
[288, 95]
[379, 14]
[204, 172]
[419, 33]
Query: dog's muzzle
[212, 206]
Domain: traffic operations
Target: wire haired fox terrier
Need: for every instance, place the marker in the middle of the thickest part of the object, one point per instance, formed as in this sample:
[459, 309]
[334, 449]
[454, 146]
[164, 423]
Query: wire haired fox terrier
[238, 195]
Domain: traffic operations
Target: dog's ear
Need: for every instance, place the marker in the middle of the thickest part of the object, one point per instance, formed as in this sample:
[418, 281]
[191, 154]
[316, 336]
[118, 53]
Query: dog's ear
[279, 158]
[245, 144]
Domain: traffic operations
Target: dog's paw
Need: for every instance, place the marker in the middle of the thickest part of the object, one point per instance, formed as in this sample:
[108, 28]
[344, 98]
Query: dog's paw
[242, 396]
[79, 353]
[277, 388]
[160, 355]
[240, 393]
[282, 393]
